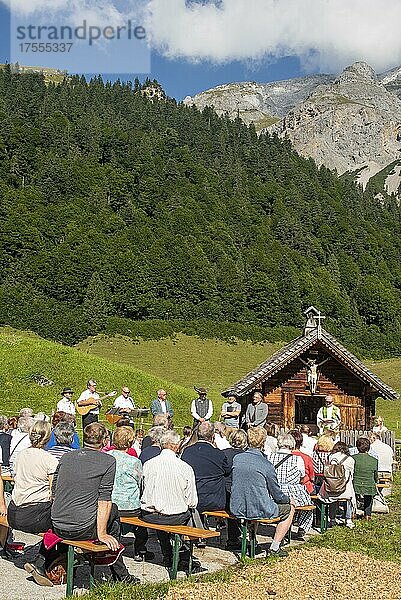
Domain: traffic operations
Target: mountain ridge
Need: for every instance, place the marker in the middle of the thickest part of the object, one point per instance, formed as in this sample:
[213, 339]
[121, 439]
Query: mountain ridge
[349, 122]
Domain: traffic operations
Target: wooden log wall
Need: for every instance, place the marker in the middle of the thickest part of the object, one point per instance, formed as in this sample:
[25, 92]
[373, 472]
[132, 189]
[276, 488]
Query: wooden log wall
[349, 393]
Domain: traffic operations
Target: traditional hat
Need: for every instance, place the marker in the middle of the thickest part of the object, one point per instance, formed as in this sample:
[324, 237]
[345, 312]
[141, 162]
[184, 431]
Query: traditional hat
[201, 390]
[67, 390]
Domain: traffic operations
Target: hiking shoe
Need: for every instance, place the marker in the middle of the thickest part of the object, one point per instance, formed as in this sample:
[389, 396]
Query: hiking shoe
[299, 535]
[144, 556]
[38, 574]
[280, 552]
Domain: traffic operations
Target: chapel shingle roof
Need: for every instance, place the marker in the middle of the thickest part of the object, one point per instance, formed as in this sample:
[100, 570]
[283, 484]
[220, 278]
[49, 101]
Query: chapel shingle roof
[295, 349]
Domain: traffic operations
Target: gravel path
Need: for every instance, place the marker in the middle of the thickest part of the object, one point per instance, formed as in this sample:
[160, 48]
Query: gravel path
[16, 584]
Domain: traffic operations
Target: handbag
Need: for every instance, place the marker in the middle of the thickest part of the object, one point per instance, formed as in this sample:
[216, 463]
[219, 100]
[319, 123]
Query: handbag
[379, 504]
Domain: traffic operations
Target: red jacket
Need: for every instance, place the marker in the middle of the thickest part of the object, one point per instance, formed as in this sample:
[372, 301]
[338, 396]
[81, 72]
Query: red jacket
[309, 471]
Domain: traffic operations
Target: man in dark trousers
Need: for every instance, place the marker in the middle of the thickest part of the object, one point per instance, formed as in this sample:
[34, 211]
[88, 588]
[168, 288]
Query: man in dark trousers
[201, 407]
[82, 507]
[210, 467]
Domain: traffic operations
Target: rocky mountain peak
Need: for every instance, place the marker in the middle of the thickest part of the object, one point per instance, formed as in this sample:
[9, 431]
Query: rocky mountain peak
[358, 72]
[348, 122]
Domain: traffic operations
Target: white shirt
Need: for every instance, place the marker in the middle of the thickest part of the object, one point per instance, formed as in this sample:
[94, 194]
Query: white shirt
[88, 394]
[384, 454]
[163, 405]
[221, 442]
[195, 414]
[308, 444]
[19, 441]
[123, 402]
[66, 405]
[169, 485]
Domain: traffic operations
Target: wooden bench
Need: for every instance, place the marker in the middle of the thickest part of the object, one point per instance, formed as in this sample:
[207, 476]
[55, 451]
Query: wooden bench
[321, 506]
[72, 546]
[180, 533]
[247, 527]
[87, 547]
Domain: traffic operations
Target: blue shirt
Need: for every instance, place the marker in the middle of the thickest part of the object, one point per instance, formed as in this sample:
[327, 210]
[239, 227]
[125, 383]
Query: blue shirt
[255, 491]
[52, 442]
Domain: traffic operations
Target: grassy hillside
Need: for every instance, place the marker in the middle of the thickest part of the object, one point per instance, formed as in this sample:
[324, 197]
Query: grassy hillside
[215, 364]
[24, 356]
[175, 364]
[50, 75]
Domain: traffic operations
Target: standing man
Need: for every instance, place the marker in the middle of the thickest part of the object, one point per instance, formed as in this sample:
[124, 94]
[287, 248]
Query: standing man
[201, 407]
[66, 404]
[230, 411]
[328, 416]
[161, 406]
[90, 397]
[256, 412]
[124, 402]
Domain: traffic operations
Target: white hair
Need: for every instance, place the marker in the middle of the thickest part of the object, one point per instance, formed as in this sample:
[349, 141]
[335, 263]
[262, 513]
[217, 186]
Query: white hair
[169, 438]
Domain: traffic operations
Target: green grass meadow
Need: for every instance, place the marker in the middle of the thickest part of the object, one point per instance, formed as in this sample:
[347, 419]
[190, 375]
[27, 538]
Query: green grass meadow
[216, 365]
[23, 356]
[175, 364]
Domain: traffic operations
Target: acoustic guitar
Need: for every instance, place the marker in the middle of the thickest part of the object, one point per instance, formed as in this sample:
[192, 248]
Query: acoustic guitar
[84, 410]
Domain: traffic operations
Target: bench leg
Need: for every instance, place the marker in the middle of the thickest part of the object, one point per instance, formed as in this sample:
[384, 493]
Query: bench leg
[70, 571]
[252, 538]
[176, 555]
[191, 549]
[244, 531]
[92, 573]
[323, 516]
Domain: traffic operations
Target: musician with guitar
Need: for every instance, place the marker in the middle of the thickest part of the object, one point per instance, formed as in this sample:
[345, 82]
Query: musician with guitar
[89, 403]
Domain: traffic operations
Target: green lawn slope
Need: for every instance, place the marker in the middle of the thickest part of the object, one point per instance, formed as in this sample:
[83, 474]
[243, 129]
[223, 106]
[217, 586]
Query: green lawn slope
[176, 364]
[215, 364]
[24, 356]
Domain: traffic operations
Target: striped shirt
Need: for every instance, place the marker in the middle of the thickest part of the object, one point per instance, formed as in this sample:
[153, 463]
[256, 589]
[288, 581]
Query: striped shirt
[169, 485]
[59, 451]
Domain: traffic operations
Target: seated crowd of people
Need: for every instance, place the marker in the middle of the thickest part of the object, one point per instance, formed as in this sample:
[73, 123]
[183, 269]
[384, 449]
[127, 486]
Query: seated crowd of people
[81, 493]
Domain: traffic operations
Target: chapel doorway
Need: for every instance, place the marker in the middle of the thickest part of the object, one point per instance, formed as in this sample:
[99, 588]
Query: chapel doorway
[306, 409]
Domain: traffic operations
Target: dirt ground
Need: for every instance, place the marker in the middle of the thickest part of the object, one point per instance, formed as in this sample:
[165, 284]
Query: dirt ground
[307, 574]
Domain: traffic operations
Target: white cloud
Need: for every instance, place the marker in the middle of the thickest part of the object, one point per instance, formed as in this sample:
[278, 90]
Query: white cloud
[325, 34]
[340, 31]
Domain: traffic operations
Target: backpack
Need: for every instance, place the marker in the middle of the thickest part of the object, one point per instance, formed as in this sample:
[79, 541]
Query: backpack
[335, 477]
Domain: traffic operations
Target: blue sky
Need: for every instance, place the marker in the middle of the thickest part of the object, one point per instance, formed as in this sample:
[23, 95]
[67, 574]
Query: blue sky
[198, 44]
[180, 77]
